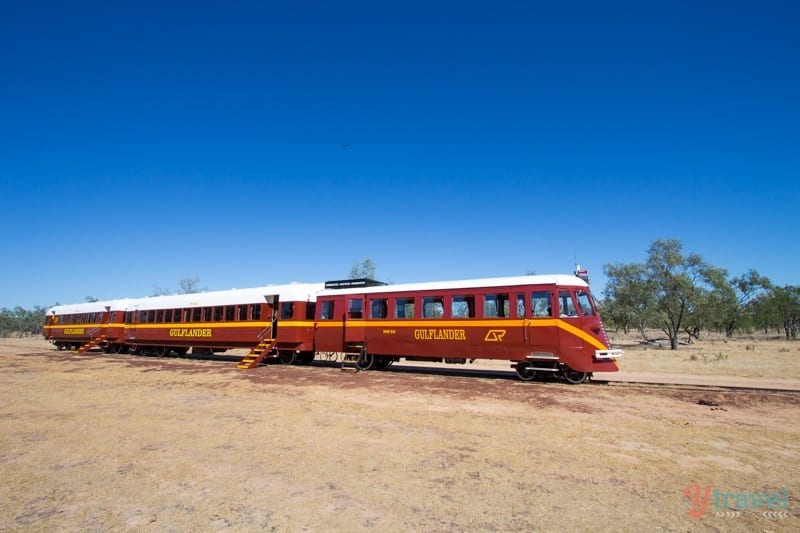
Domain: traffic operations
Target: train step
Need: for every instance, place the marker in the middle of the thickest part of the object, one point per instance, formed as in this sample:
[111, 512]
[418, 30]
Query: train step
[89, 345]
[351, 359]
[257, 354]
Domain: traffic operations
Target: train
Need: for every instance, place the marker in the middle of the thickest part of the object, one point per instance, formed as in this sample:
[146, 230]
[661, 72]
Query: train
[544, 325]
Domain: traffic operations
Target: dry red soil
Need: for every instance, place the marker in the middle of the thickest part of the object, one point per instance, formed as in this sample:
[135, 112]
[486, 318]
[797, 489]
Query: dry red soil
[106, 442]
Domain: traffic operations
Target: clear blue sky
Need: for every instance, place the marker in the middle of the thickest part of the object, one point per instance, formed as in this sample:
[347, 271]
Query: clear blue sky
[248, 143]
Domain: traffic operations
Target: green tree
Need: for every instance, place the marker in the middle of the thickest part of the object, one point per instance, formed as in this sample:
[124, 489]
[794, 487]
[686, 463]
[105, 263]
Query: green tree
[365, 269]
[190, 286]
[680, 284]
[738, 298]
[780, 308]
[628, 296]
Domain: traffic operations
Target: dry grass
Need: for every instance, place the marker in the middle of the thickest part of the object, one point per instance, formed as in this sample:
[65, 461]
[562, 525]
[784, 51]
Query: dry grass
[743, 357]
[115, 443]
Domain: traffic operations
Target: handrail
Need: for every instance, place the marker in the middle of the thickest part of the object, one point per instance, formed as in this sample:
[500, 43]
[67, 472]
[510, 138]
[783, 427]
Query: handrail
[263, 333]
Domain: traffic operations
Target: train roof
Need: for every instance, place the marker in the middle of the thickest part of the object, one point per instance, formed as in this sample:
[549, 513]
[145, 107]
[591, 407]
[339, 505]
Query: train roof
[89, 307]
[554, 279]
[288, 292]
[291, 292]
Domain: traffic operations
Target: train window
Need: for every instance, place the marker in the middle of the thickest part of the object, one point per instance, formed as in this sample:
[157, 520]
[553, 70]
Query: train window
[463, 307]
[404, 308]
[433, 307]
[355, 308]
[160, 316]
[218, 314]
[327, 311]
[378, 308]
[567, 304]
[230, 310]
[176, 315]
[540, 303]
[310, 308]
[151, 317]
[520, 305]
[197, 314]
[255, 312]
[495, 305]
[585, 303]
[287, 310]
[242, 312]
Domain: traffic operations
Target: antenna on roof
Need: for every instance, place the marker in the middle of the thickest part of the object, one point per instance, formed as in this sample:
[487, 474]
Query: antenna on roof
[581, 273]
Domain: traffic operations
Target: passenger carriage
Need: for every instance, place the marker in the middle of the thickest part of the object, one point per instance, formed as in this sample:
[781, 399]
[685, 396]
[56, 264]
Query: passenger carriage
[542, 324]
[211, 322]
[91, 323]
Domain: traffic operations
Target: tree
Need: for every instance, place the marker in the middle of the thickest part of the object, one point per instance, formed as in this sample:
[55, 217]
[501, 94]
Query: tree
[190, 286]
[91, 299]
[780, 308]
[365, 269]
[738, 298]
[21, 321]
[628, 296]
[158, 291]
[680, 286]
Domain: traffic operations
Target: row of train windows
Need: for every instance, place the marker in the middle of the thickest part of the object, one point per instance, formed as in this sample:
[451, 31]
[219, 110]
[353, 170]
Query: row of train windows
[80, 318]
[288, 310]
[493, 306]
[226, 313]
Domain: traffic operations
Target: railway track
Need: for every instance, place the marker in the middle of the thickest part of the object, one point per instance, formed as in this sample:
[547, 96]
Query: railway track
[694, 387]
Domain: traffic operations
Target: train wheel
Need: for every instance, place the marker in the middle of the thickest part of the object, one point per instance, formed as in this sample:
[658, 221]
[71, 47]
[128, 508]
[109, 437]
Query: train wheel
[525, 372]
[287, 357]
[366, 362]
[575, 377]
[161, 351]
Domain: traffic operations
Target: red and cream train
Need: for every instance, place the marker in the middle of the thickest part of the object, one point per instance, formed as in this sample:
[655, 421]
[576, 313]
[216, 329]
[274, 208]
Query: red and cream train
[541, 324]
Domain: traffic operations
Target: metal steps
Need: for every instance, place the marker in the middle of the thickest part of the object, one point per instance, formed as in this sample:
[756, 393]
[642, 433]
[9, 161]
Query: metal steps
[91, 344]
[257, 354]
[353, 356]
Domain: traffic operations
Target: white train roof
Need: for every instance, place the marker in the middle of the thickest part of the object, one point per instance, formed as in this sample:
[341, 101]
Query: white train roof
[301, 292]
[555, 279]
[90, 307]
[290, 292]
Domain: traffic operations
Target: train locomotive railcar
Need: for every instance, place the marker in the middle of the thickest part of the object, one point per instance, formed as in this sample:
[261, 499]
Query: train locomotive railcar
[83, 326]
[216, 321]
[542, 324]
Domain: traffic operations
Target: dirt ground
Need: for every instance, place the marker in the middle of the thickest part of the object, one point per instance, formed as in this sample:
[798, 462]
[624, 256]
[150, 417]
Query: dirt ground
[99, 442]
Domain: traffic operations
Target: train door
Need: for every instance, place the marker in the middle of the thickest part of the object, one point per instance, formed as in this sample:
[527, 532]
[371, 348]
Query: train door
[131, 316]
[353, 320]
[107, 319]
[273, 303]
[330, 325]
[542, 330]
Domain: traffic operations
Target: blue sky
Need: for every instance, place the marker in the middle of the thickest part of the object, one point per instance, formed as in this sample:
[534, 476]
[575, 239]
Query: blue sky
[248, 143]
